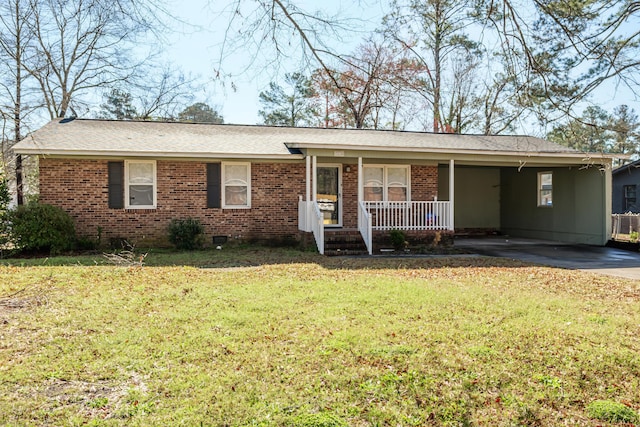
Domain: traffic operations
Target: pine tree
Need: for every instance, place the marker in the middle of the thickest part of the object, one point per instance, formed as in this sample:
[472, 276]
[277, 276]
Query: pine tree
[118, 106]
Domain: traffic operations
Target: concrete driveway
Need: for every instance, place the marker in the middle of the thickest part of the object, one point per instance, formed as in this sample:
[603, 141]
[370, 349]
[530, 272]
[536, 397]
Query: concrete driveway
[597, 259]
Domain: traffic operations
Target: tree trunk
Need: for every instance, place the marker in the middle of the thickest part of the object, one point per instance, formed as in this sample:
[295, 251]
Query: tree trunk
[17, 108]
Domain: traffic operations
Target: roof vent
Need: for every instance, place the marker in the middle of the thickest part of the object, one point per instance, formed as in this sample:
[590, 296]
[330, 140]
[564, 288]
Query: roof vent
[67, 119]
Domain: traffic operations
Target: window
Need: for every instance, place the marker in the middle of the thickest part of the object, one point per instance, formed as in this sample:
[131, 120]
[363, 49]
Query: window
[236, 185]
[140, 184]
[545, 189]
[373, 183]
[386, 183]
[629, 198]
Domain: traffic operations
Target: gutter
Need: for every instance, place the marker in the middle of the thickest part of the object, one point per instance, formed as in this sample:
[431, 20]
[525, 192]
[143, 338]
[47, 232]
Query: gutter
[163, 154]
[343, 147]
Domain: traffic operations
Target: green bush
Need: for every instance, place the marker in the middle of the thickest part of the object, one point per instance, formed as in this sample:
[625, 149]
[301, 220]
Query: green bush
[614, 412]
[4, 206]
[85, 243]
[186, 234]
[398, 239]
[40, 227]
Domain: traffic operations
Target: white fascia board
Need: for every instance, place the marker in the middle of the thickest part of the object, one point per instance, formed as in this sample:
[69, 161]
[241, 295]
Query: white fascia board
[343, 147]
[154, 154]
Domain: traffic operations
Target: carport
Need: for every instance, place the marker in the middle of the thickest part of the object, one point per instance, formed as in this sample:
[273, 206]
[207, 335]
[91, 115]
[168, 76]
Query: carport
[509, 198]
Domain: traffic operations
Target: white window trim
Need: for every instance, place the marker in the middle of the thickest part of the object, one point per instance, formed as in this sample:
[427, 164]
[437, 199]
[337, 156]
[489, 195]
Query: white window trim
[223, 185]
[539, 190]
[127, 205]
[385, 184]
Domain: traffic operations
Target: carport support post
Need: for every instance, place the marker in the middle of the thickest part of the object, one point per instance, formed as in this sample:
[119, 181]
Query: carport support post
[607, 203]
[451, 195]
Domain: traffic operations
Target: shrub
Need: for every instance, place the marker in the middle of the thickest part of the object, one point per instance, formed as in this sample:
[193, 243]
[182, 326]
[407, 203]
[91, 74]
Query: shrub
[4, 207]
[398, 239]
[90, 243]
[85, 243]
[186, 234]
[41, 227]
[614, 412]
[5, 197]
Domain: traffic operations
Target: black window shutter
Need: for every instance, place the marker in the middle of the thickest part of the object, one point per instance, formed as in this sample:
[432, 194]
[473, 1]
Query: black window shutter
[214, 186]
[116, 185]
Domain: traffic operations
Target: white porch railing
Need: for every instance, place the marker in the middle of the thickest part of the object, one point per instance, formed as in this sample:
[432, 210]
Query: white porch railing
[380, 216]
[409, 215]
[364, 226]
[311, 219]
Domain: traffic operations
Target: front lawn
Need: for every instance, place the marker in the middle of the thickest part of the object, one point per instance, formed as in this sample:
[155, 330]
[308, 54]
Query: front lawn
[282, 338]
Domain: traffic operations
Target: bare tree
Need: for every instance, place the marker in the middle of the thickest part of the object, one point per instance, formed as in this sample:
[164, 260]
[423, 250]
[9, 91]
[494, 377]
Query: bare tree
[552, 54]
[14, 40]
[162, 96]
[368, 89]
[56, 51]
[85, 44]
[435, 31]
[277, 23]
[355, 88]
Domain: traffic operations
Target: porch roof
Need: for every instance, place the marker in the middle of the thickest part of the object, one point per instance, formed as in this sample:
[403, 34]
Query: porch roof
[84, 137]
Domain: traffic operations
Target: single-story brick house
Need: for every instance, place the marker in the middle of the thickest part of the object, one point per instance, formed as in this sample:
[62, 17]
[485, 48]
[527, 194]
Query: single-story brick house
[131, 178]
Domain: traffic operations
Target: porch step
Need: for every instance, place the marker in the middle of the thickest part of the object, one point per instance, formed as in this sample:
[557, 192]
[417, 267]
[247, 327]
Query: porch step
[344, 242]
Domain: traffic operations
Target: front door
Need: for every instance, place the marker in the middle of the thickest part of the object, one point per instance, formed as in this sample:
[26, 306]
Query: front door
[328, 196]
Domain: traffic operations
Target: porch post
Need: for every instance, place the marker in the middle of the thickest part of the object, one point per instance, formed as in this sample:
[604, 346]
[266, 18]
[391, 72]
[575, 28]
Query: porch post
[607, 205]
[308, 171]
[314, 172]
[451, 194]
[360, 175]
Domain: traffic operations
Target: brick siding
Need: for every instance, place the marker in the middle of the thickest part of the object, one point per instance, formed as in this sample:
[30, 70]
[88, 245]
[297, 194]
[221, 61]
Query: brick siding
[80, 187]
[424, 182]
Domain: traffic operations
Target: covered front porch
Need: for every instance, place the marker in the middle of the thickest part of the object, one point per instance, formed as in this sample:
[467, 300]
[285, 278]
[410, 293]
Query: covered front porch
[372, 197]
[426, 183]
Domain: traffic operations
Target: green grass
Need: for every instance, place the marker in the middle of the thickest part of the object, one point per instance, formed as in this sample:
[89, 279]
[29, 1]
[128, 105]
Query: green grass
[283, 338]
[607, 410]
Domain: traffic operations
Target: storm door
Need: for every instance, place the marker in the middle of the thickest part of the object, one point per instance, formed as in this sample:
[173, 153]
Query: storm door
[329, 195]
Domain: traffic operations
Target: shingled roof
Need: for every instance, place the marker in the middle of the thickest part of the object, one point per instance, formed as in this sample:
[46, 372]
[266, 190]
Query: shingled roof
[71, 137]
